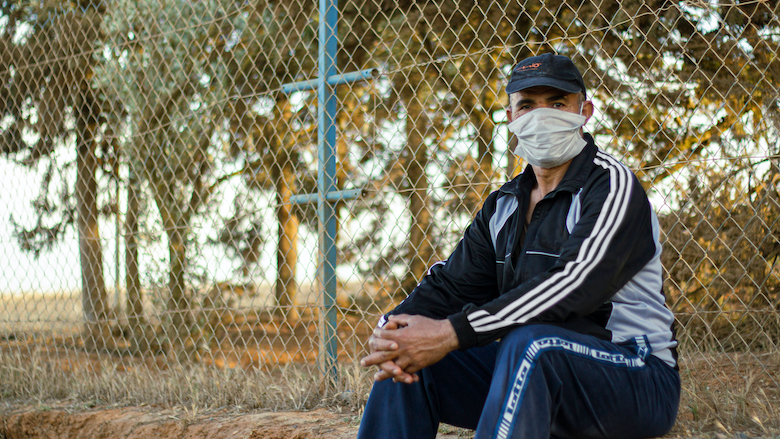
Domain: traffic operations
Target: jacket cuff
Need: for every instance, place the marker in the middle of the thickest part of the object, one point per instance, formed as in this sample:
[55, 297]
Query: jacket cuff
[467, 338]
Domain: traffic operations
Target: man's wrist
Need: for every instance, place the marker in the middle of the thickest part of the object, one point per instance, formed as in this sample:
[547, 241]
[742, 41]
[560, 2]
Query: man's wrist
[451, 341]
[467, 338]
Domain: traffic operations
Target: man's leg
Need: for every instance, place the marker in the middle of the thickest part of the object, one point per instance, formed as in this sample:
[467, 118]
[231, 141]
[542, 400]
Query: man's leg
[451, 391]
[549, 381]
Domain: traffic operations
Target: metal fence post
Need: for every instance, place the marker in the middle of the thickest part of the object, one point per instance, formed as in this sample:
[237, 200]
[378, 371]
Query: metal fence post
[325, 183]
[327, 195]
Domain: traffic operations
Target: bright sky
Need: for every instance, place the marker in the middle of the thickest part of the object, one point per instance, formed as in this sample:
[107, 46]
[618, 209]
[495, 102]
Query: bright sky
[58, 270]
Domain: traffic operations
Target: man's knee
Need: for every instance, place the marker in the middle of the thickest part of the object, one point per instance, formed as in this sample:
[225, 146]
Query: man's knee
[520, 338]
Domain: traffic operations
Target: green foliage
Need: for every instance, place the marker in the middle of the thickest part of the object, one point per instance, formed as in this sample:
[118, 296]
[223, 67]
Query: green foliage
[39, 104]
[188, 94]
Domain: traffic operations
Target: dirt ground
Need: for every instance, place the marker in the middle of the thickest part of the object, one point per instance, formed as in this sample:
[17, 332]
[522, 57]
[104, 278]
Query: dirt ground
[34, 422]
[148, 423]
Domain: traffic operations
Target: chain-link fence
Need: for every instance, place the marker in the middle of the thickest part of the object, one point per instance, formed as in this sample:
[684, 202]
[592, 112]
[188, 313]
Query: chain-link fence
[152, 156]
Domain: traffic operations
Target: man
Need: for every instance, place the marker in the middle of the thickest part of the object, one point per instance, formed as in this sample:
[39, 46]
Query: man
[548, 319]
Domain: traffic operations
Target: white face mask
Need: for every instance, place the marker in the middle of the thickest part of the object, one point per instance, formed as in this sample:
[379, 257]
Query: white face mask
[548, 137]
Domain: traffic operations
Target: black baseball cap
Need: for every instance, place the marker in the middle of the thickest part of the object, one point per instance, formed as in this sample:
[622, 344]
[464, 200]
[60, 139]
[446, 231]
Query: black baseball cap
[550, 70]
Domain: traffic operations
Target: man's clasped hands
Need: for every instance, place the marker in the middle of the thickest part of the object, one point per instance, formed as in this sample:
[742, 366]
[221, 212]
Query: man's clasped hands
[406, 344]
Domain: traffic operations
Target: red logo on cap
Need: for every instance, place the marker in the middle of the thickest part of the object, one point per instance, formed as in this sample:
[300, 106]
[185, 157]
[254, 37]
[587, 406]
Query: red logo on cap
[534, 66]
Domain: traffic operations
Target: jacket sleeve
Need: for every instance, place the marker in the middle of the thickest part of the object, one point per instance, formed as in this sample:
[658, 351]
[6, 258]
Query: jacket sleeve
[611, 242]
[467, 276]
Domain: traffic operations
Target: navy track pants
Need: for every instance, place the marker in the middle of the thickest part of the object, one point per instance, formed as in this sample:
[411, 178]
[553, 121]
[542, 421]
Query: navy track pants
[538, 382]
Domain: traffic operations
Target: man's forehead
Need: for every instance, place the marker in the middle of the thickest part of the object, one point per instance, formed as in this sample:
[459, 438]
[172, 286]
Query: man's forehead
[540, 92]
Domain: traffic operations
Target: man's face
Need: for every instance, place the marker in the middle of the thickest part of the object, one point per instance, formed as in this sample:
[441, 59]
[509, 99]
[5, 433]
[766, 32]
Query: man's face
[532, 98]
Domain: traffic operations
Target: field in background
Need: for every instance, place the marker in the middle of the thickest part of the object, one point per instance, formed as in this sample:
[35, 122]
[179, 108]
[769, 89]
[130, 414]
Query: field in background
[241, 333]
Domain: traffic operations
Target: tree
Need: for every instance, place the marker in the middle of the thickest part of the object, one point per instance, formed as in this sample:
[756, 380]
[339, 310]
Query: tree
[406, 100]
[275, 45]
[444, 62]
[56, 101]
[164, 70]
[195, 84]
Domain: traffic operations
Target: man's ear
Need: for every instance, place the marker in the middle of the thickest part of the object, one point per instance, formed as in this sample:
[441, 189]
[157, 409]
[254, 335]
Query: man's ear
[587, 110]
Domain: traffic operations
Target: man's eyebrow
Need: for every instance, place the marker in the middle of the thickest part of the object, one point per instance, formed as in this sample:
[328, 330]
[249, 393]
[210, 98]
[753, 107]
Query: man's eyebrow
[524, 101]
[556, 97]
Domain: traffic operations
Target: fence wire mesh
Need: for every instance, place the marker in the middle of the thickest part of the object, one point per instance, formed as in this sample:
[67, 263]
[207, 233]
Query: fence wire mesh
[151, 157]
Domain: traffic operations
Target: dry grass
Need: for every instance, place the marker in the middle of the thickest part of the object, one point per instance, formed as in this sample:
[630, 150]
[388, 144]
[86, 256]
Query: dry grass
[724, 396]
[730, 394]
[735, 394]
[28, 378]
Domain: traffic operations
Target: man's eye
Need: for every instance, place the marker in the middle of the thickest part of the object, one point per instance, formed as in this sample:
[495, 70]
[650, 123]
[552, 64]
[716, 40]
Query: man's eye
[557, 105]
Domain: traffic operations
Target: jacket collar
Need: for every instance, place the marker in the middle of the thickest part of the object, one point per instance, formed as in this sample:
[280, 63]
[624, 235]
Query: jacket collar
[578, 173]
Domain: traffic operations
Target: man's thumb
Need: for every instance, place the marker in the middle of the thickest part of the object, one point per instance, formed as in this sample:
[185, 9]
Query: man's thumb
[400, 320]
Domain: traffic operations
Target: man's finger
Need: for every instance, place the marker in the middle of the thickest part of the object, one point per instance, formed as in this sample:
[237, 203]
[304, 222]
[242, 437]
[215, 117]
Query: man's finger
[387, 369]
[377, 358]
[391, 368]
[408, 373]
[379, 344]
[403, 378]
[389, 325]
[406, 378]
[412, 370]
[382, 375]
[400, 320]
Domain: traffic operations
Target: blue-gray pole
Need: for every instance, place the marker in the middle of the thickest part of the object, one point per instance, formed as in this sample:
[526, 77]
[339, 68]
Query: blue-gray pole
[325, 184]
[327, 195]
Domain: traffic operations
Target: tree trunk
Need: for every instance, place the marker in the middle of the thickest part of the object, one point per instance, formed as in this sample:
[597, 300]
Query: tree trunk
[179, 331]
[420, 249]
[287, 250]
[94, 298]
[485, 126]
[140, 336]
[283, 175]
[178, 327]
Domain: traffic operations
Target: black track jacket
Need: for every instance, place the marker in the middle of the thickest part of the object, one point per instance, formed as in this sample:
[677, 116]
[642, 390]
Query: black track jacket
[588, 261]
